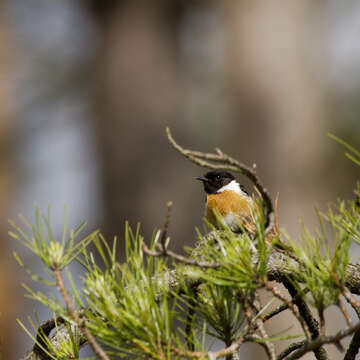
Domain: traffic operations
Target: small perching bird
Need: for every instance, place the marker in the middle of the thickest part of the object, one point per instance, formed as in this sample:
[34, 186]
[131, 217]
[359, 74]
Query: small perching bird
[225, 196]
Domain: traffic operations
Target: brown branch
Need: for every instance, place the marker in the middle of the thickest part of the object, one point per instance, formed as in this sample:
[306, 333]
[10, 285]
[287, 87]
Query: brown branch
[275, 312]
[276, 215]
[321, 313]
[354, 346]
[166, 227]
[322, 321]
[248, 314]
[230, 350]
[233, 347]
[43, 331]
[281, 307]
[225, 162]
[292, 347]
[79, 322]
[187, 353]
[183, 259]
[269, 346]
[351, 300]
[344, 312]
[305, 312]
[279, 267]
[60, 337]
[163, 251]
[212, 354]
[290, 305]
[322, 340]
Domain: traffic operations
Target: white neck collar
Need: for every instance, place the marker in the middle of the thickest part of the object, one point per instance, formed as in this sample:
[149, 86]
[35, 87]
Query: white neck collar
[233, 186]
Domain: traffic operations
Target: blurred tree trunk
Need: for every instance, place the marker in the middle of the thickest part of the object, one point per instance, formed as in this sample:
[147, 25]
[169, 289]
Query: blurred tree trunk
[278, 105]
[274, 84]
[139, 93]
[8, 298]
[274, 87]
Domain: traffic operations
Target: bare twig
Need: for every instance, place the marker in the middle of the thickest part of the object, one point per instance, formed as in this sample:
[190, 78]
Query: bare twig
[322, 340]
[249, 316]
[344, 312]
[229, 350]
[305, 312]
[282, 307]
[276, 215]
[166, 227]
[350, 299]
[290, 305]
[275, 312]
[354, 346]
[188, 354]
[290, 349]
[180, 258]
[322, 321]
[79, 322]
[269, 346]
[233, 347]
[212, 354]
[223, 161]
[163, 251]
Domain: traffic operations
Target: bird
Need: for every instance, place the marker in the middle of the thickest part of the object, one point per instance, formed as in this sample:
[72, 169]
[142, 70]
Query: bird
[225, 196]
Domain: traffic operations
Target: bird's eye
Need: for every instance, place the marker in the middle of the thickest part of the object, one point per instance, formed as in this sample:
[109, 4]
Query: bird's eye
[218, 177]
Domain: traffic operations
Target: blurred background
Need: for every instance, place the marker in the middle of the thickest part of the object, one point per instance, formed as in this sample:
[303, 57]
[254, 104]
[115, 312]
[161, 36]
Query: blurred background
[88, 87]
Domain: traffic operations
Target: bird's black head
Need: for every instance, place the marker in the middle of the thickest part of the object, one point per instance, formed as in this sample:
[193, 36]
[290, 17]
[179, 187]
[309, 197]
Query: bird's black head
[215, 180]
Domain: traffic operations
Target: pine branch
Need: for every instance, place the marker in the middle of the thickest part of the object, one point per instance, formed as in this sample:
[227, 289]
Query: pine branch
[344, 312]
[255, 270]
[290, 349]
[322, 340]
[354, 346]
[291, 306]
[225, 162]
[311, 322]
[80, 322]
[281, 307]
[60, 337]
[190, 322]
[44, 330]
[269, 346]
[279, 267]
[166, 227]
[275, 312]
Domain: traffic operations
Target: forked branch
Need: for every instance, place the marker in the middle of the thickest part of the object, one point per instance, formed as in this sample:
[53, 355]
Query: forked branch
[222, 161]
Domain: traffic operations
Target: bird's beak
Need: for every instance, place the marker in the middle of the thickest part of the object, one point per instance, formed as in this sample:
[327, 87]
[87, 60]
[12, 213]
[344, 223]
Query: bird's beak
[201, 178]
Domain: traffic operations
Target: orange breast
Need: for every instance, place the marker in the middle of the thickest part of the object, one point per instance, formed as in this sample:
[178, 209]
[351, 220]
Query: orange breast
[229, 202]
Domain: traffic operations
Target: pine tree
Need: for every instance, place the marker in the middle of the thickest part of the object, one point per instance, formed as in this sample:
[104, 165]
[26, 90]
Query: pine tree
[161, 305]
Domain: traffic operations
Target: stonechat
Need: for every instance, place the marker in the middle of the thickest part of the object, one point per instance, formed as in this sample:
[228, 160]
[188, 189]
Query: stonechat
[225, 196]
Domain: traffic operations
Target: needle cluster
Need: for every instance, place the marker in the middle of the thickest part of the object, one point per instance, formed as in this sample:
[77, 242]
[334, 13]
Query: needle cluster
[161, 305]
